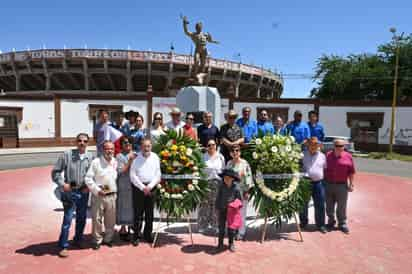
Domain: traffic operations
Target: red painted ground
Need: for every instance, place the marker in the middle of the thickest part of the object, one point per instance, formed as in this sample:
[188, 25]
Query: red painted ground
[380, 219]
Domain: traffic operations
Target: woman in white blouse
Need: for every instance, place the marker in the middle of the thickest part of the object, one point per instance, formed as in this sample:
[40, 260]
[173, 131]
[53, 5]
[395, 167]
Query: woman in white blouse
[242, 167]
[157, 128]
[215, 162]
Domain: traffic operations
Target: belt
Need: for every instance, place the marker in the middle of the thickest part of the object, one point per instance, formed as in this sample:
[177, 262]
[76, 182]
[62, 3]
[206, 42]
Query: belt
[315, 182]
[77, 187]
[336, 183]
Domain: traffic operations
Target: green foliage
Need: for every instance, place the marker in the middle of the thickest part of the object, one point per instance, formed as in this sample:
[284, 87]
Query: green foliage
[365, 76]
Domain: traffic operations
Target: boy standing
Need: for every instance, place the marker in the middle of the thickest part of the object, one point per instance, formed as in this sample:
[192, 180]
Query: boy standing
[228, 192]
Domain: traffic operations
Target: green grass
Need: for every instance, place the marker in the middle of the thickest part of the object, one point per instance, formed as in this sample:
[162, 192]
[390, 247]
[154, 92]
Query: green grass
[387, 156]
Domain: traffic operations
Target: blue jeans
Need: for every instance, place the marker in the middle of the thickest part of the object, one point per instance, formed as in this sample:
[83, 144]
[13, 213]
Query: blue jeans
[318, 196]
[75, 200]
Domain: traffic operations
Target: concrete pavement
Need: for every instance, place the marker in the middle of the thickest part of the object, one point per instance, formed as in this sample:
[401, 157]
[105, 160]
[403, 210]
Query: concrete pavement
[380, 241]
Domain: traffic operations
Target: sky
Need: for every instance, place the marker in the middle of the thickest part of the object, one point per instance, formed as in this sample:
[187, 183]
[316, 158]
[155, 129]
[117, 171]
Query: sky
[286, 36]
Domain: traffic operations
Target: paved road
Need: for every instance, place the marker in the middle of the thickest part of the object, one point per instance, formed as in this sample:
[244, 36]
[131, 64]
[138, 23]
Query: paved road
[27, 160]
[385, 167]
[392, 168]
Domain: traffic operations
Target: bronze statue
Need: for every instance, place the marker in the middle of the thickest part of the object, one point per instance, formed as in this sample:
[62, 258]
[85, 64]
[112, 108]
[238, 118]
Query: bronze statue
[200, 39]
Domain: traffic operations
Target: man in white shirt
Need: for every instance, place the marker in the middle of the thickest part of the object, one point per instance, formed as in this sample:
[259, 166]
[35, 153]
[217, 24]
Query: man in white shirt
[101, 181]
[175, 123]
[145, 174]
[314, 163]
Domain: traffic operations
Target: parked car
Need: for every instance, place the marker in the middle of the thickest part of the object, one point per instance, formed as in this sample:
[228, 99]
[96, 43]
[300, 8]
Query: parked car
[328, 143]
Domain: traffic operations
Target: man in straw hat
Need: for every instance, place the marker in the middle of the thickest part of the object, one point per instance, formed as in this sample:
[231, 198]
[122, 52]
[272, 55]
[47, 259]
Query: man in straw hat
[176, 123]
[314, 162]
[231, 134]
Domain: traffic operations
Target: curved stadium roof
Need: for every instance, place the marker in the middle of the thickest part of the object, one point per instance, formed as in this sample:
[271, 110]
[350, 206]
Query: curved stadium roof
[127, 70]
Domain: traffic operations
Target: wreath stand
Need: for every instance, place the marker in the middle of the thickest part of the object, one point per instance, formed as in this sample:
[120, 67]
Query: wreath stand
[265, 224]
[264, 230]
[159, 226]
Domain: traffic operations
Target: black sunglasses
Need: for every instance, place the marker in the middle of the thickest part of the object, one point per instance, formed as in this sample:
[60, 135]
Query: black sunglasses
[158, 118]
[339, 145]
[235, 150]
[82, 141]
[210, 145]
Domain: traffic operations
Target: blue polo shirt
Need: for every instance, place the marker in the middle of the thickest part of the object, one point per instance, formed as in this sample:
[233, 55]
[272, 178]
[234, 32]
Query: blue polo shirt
[265, 128]
[249, 128]
[300, 131]
[317, 130]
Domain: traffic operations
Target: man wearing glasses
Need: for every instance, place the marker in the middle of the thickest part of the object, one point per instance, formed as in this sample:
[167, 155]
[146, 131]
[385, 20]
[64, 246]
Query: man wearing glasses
[339, 174]
[248, 125]
[207, 131]
[69, 174]
[231, 134]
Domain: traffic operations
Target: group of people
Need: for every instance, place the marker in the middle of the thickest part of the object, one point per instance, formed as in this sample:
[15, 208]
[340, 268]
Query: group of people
[125, 172]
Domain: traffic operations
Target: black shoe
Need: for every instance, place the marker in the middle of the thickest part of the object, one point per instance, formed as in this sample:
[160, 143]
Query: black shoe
[220, 247]
[135, 242]
[96, 246]
[344, 229]
[232, 247]
[323, 229]
[303, 226]
[330, 226]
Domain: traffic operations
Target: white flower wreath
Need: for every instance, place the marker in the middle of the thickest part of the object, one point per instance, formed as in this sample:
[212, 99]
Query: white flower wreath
[274, 195]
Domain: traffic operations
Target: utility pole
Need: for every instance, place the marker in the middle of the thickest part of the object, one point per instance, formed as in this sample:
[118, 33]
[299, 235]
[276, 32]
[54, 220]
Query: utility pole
[396, 39]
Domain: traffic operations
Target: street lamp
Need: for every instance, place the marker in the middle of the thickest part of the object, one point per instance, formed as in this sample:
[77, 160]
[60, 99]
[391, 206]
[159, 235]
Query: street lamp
[396, 39]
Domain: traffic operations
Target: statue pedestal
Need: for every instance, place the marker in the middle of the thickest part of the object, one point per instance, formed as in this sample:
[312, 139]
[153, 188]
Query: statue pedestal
[200, 99]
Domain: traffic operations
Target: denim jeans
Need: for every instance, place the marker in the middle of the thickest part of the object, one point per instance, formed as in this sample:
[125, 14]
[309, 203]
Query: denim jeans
[75, 200]
[318, 196]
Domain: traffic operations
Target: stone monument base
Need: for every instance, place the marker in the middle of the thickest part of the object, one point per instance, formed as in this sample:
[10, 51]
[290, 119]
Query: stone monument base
[200, 99]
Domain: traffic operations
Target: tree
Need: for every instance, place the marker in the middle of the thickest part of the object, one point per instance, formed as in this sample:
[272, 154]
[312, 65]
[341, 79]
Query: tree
[365, 76]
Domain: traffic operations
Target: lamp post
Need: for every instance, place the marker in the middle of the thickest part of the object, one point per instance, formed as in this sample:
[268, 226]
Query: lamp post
[395, 87]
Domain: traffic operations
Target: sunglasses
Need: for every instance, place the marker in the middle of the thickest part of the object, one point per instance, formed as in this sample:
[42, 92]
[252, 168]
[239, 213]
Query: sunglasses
[339, 145]
[125, 143]
[83, 141]
[158, 118]
[235, 150]
[210, 145]
[232, 117]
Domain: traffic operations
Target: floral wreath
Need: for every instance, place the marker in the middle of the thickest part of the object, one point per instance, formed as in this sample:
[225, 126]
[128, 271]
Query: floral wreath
[182, 186]
[279, 190]
[279, 196]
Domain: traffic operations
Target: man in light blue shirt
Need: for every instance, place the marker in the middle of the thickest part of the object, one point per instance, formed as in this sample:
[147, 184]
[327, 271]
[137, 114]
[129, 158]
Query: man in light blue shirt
[248, 125]
[265, 127]
[316, 128]
[298, 129]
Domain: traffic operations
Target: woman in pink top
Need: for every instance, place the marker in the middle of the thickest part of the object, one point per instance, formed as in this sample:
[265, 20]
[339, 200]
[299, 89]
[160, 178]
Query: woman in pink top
[339, 175]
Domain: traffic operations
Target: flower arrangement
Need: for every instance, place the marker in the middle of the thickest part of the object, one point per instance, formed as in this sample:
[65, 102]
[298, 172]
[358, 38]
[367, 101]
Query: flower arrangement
[279, 190]
[183, 184]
